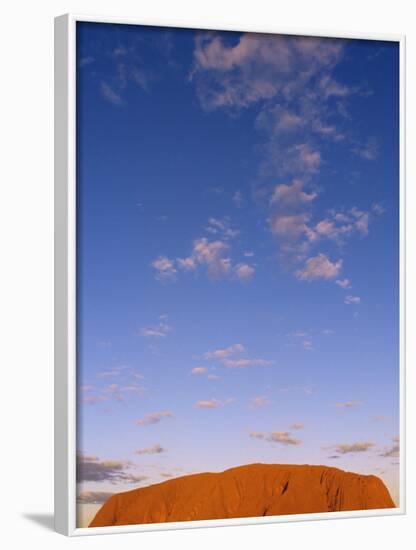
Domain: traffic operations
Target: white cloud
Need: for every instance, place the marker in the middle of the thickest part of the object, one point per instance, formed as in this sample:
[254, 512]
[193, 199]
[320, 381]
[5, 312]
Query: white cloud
[92, 399]
[309, 159]
[199, 370]
[358, 447]
[207, 404]
[222, 228]
[348, 404]
[244, 362]
[319, 267]
[392, 451]
[110, 94]
[368, 150]
[187, 264]
[212, 255]
[157, 331]
[238, 199]
[307, 345]
[352, 300]
[212, 403]
[222, 353]
[283, 438]
[378, 208]
[292, 195]
[244, 271]
[154, 450]
[343, 283]
[165, 268]
[290, 226]
[259, 401]
[153, 418]
[297, 426]
[257, 67]
[227, 357]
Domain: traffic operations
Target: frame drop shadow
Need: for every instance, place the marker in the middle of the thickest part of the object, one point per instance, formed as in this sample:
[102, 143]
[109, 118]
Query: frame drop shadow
[44, 520]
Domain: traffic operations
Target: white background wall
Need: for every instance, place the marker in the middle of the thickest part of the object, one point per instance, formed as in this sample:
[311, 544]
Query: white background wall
[26, 267]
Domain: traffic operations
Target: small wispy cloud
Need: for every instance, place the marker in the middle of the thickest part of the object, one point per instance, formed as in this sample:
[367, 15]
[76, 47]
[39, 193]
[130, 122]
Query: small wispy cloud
[110, 94]
[378, 208]
[297, 426]
[227, 356]
[245, 362]
[244, 272]
[222, 228]
[307, 345]
[153, 418]
[238, 199]
[393, 450]
[351, 448]
[208, 404]
[223, 353]
[165, 268]
[157, 331]
[368, 150]
[347, 404]
[212, 403]
[87, 60]
[259, 401]
[283, 438]
[352, 300]
[199, 370]
[343, 283]
[154, 450]
[92, 399]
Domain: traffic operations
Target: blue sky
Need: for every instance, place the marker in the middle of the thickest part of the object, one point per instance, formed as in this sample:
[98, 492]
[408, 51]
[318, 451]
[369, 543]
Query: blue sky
[237, 253]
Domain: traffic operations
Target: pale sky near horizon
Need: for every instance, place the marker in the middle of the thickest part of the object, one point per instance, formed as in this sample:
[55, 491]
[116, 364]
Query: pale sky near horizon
[237, 254]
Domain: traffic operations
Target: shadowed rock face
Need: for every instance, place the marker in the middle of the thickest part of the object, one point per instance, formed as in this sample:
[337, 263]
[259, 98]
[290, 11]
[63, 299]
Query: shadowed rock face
[246, 491]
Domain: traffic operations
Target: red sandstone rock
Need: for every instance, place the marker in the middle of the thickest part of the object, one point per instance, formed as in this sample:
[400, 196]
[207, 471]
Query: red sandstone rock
[246, 491]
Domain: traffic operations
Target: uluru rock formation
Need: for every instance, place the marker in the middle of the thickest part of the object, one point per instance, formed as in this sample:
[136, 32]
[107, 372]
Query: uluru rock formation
[253, 490]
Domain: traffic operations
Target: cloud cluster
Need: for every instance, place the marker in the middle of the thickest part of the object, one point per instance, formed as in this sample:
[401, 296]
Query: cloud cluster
[212, 256]
[124, 70]
[91, 468]
[258, 67]
[301, 107]
[229, 357]
[124, 384]
[291, 221]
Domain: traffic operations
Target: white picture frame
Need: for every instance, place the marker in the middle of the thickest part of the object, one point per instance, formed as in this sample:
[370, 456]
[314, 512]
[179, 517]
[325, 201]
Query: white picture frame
[65, 281]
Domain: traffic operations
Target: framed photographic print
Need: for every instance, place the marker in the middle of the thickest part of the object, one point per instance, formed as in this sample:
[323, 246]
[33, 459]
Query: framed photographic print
[229, 214]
